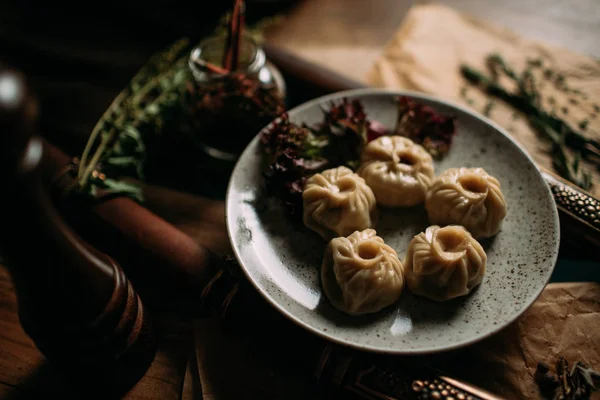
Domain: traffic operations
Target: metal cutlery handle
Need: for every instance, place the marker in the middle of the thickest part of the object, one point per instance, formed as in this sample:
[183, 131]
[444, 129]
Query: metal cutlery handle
[387, 379]
[361, 375]
[579, 210]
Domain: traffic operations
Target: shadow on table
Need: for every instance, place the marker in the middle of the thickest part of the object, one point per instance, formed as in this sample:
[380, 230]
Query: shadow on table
[48, 382]
[151, 375]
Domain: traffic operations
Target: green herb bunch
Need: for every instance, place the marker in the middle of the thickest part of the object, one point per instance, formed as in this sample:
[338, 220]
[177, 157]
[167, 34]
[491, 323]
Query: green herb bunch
[527, 99]
[156, 100]
[116, 147]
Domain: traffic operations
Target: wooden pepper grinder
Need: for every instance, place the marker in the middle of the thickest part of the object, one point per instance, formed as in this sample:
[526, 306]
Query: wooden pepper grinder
[74, 302]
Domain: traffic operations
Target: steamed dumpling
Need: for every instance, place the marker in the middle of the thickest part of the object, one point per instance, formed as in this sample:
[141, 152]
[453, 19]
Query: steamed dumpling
[469, 197]
[444, 263]
[361, 274]
[338, 202]
[398, 170]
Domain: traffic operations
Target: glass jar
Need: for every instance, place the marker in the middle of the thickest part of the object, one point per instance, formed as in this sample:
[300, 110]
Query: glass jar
[227, 110]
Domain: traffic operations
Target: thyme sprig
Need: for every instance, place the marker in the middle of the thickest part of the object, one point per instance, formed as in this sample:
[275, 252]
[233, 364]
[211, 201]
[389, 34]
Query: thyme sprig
[151, 103]
[116, 145]
[527, 99]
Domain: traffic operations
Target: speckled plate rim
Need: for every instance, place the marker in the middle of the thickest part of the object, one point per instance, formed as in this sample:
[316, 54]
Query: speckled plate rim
[231, 228]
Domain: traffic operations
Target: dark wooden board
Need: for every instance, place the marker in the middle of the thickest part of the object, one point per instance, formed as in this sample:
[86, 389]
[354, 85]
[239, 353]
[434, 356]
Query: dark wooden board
[24, 373]
[8, 392]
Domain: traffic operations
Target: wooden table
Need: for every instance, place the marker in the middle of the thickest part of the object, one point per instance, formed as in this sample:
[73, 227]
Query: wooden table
[25, 374]
[79, 64]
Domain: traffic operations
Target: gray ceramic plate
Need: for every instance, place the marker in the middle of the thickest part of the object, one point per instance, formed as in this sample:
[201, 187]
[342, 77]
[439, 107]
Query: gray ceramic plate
[283, 259]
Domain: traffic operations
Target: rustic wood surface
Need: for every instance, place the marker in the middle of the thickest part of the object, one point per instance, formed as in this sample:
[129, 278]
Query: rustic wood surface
[80, 59]
[25, 374]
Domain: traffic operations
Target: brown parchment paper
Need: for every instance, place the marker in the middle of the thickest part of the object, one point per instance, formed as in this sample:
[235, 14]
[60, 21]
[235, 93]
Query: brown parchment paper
[564, 321]
[434, 40]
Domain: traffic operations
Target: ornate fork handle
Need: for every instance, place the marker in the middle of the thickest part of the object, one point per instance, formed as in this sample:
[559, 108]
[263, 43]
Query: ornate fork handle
[361, 375]
[378, 379]
[579, 210]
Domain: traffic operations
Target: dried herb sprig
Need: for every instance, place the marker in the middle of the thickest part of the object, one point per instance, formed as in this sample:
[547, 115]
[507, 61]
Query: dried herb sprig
[116, 145]
[528, 100]
[149, 104]
[131, 94]
[577, 383]
[567, 167]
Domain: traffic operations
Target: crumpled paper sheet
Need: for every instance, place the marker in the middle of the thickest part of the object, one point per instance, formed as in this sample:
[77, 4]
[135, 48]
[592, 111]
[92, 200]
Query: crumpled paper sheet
[345, 36]
[564, 321]
[428, 49]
